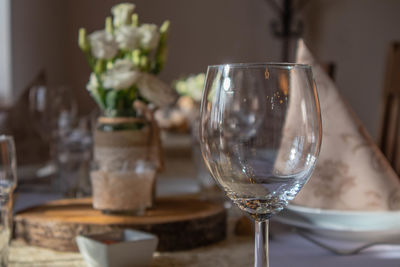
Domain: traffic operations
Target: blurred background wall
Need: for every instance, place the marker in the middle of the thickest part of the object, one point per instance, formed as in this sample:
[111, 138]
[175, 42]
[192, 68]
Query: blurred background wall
[354, 34]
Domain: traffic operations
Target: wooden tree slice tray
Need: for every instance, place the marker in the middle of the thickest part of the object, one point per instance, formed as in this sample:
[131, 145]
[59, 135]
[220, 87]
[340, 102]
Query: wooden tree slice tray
[179, 222]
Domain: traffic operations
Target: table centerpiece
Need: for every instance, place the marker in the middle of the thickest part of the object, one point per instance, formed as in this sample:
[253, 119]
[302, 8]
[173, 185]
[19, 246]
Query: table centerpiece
[125, 58]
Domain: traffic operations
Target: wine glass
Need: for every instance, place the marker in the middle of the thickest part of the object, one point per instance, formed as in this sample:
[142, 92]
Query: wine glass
[8, 165]
[53, 111]
[260, 135]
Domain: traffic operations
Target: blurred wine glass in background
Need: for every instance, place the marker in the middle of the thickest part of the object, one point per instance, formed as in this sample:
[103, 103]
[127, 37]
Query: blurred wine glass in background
[53, 112]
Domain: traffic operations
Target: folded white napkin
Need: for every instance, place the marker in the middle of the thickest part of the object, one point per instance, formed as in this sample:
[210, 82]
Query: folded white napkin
[351, 173]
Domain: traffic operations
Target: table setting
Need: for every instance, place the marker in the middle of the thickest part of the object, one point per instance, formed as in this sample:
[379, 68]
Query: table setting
[259, 164]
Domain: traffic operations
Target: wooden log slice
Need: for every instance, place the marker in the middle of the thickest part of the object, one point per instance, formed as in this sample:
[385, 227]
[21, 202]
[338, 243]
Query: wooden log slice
[179, 222]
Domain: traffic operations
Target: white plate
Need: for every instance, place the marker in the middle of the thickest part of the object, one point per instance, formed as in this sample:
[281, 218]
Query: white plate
[344, 225]
[348, 219]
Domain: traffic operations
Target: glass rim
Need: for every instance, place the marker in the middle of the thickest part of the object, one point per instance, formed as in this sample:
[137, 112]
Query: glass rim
[282, 65]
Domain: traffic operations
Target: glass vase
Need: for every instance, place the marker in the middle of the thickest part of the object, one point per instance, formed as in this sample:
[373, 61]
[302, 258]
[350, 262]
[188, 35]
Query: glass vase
[126, 157]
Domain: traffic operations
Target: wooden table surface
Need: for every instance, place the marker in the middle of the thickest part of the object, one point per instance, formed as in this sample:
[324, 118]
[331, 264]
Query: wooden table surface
[234, 251]
[286, 249]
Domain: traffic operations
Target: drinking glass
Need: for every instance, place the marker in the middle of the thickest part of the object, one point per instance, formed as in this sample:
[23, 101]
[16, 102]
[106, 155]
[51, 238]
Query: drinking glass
[260, 135]
[53, 111]
[74, 155]
[8, 182]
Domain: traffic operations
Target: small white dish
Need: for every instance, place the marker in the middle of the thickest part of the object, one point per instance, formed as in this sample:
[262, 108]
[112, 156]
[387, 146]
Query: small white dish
[117, 249]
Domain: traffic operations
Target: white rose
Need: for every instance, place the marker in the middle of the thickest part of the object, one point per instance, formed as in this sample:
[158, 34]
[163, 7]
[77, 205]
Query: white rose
[154, 90]
[149, 36]
[93, 84]
[122, 14]
[127, 37]
[121, 76]
[103, 45]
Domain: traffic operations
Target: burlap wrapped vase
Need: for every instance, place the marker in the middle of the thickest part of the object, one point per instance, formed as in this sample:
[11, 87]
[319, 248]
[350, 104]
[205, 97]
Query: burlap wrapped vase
[127, 154]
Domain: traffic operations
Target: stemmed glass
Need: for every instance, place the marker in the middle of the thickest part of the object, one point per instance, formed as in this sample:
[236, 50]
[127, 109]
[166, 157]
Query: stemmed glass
[260, 135]
[53, 111]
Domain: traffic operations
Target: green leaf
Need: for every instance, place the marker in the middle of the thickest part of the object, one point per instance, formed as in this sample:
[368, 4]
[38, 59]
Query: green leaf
[111, 99]
[161, 52]
[83, 40]
[135, 20]
[109, 25]
[100, 66]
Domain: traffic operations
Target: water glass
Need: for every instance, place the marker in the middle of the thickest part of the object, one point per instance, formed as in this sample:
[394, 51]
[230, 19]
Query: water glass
[5, 228]
[8, 182]
[74, 155]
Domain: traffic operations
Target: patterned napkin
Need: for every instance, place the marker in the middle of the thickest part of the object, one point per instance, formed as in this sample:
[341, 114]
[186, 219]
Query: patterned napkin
[351, 173]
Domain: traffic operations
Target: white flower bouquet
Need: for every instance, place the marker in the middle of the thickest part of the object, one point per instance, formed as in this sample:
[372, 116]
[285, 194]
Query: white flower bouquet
[125, 58]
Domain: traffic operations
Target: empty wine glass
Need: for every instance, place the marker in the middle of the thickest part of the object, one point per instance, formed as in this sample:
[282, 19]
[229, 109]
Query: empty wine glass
[260, 136]
[53, 111]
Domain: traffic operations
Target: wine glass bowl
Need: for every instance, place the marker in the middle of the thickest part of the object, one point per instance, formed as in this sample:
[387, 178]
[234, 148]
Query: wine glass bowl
[260, 132]
[52, 109]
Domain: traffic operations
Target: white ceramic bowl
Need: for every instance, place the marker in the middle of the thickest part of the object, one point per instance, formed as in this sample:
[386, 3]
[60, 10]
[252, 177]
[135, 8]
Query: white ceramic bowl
[117, 249]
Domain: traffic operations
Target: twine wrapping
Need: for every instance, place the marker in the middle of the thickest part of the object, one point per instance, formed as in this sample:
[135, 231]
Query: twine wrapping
[122, 191]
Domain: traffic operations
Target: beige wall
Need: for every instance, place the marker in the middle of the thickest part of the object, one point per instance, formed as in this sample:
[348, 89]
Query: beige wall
[38, 41]
[354, 34]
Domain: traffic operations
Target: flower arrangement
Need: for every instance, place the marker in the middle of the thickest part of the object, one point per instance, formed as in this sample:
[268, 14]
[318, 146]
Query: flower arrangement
[181, 117]
[125, 58]
[191, 86]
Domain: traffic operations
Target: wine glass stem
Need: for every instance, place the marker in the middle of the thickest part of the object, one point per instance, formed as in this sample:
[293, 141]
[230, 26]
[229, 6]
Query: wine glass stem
[261, 244]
